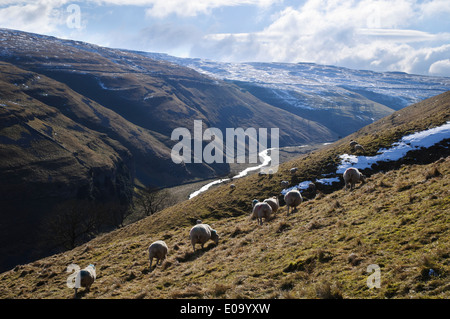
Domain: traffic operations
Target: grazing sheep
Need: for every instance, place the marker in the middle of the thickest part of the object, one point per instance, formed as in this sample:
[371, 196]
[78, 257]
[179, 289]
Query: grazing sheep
[311, 188]
[261, 210]
[232, 186]
[359, 148]
[284, 184]
[293, 198]
[310, 192]
[85, 278]
[201, 233]
[353, 143]
[352, 176]
[293, 170]
[157, 250]
[273, 202]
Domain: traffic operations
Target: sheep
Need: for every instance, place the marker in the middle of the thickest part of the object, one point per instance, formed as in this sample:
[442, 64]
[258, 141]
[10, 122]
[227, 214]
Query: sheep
[273, 202]
[312, 187]
[284, 184]
[293, 170]
[353, 143]
[232, 186]
[201, 233]
[293, 198]
[158, 250]
[261, 210]
[310, 191]
[359, 147]
[85, 278]
[352, 176]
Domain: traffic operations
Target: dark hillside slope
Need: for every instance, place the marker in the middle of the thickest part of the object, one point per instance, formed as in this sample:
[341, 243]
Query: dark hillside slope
[46, 159]
[153, 96]
[397, 221]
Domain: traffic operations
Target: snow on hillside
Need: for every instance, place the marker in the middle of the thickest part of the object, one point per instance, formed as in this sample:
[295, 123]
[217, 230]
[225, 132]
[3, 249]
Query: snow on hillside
[423, 139]
[399, 149]
[311, 81]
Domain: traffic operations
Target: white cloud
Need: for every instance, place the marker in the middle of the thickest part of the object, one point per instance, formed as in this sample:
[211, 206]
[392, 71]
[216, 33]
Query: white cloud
[358, 34]
[163, 8]
[40, 16]
[435, 7]
[441, 67]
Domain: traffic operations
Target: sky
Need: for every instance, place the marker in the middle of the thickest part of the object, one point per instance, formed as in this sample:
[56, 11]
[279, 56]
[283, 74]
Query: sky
[381, 35]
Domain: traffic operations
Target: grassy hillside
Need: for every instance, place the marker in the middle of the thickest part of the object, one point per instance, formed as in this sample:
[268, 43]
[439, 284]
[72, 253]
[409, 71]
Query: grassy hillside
[397, 220]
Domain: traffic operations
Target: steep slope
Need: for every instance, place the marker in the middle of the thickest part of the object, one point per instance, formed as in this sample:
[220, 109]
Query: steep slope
[398, 221]
[46, 159]
[152, 96]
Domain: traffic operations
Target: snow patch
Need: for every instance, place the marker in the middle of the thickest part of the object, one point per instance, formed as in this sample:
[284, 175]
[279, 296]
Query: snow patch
[423, 139]
[408, 143]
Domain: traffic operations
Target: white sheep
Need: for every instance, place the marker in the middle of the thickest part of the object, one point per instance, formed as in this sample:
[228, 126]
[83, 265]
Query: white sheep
[352, 176]
[261, 210]
[201, 233]
[85, 278]
[353, 143]
[284, 184]
[293, 198]
[293, 170]
[273, 202]
[157, 250]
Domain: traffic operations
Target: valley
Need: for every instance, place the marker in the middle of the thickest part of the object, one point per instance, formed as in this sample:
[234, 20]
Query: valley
[85, 129]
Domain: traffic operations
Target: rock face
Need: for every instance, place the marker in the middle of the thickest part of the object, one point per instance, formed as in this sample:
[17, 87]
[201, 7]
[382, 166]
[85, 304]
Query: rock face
[45, 159]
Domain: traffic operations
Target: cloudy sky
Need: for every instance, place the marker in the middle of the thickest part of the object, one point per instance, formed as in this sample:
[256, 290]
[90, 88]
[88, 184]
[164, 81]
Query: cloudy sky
[383, 35]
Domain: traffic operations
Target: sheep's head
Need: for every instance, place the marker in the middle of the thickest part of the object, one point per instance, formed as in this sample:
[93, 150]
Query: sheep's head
[254, 202]
[214, 236]
[362, 178]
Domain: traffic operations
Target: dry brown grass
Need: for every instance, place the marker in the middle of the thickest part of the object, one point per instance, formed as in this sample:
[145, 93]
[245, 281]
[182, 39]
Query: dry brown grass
[394, 220]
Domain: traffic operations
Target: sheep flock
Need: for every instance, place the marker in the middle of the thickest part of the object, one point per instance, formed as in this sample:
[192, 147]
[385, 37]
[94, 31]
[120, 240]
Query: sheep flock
[262, 211]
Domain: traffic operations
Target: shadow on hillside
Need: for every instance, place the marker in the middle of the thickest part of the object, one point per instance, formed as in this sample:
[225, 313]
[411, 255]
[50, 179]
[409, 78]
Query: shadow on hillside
[193, 255]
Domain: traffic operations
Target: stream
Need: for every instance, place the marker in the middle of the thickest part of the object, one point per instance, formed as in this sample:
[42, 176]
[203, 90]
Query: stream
[265, 159]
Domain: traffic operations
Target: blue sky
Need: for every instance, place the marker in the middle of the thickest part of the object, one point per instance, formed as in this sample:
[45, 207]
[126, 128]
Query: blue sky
[383, 35]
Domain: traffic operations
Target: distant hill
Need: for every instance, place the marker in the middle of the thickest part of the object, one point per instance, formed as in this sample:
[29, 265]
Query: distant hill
[397, 222]
[139, 101]
[342, 99]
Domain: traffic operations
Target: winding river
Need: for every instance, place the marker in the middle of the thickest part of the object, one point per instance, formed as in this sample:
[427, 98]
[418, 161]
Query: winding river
[265, 160]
